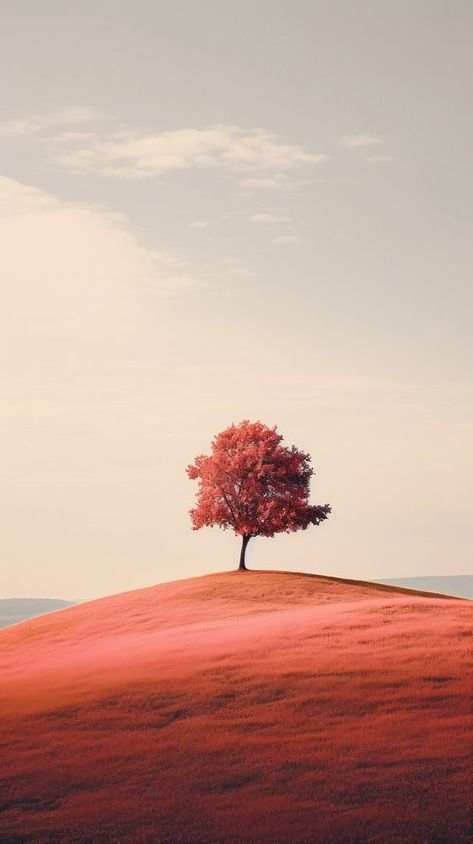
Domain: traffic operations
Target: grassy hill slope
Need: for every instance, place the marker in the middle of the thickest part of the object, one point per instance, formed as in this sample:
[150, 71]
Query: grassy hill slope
[257, 706]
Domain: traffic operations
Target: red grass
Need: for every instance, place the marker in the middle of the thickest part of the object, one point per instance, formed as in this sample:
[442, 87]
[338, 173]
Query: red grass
[238, 707]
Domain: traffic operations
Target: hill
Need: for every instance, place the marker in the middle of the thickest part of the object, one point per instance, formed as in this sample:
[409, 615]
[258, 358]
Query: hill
[460, 585]
[256, 706]
[13, 610]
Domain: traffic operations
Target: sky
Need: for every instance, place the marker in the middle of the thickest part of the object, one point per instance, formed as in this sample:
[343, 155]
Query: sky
[219, 211]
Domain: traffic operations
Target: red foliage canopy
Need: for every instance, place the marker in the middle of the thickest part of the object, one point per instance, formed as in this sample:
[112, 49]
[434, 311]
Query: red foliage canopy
[253, 484]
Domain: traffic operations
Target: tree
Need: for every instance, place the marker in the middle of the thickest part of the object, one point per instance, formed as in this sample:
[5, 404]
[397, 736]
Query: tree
[254, 485]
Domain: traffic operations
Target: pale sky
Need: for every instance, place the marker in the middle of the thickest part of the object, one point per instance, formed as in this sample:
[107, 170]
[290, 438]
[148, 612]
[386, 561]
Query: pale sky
[212, 211]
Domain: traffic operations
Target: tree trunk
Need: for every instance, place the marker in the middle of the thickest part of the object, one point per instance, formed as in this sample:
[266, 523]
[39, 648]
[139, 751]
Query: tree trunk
[245, 541]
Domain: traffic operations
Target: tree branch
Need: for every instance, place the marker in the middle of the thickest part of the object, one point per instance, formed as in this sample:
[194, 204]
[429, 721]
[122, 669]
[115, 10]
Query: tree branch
[229, 507]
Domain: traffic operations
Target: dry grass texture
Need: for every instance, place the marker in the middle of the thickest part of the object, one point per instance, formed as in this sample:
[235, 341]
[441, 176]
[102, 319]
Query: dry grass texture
[258, 706]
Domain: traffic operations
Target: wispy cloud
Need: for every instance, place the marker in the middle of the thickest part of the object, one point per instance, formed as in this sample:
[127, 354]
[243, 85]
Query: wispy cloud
[77, 138]
[131, 154]
[234, 267]
[268, 218]
[287, 239]
[358, 141]
[277, 181]
[35, 124]
[199, 224]
[281, 182]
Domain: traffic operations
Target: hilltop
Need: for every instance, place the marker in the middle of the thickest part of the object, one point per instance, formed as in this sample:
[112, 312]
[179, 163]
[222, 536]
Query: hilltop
[256, 706]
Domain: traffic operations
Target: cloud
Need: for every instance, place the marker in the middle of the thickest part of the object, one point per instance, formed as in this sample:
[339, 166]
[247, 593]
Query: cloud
[131, 154]
[268, 218]
[35, 124]
[261, 157]
[234, 267]
[74, 274]
[287, 239]
[199, 224]
[358, 141]
[276, 181]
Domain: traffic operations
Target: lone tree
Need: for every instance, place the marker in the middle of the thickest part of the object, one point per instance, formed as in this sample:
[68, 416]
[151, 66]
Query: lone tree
[253, 485]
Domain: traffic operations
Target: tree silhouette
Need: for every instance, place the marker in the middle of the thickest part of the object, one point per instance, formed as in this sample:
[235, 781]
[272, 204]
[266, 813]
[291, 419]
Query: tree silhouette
[254, 485]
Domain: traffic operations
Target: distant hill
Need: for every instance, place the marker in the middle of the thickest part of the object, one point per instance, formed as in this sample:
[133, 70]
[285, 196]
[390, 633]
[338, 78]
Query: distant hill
[458, 585]
[13, 610]
[258, 706]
